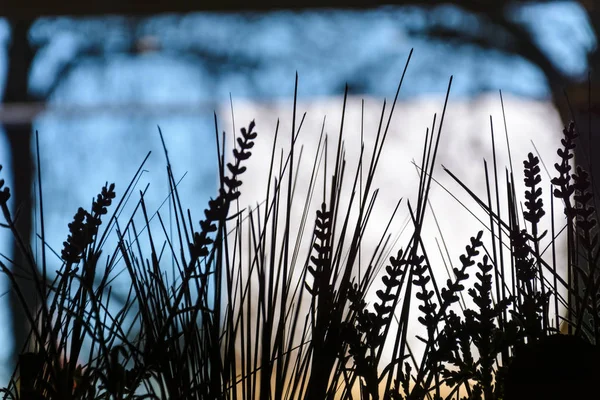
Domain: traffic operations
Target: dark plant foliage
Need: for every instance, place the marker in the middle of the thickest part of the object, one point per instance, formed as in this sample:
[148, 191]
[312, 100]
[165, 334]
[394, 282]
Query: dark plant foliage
[246, 316]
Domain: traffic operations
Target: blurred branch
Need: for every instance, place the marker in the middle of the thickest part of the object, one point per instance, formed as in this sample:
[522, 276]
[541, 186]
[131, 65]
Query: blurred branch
[66, 69]
[527, 48]
[495, 26]
[219, 62]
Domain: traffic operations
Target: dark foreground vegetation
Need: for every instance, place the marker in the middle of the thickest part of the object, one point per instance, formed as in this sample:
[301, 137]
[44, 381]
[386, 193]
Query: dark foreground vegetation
[245, 315]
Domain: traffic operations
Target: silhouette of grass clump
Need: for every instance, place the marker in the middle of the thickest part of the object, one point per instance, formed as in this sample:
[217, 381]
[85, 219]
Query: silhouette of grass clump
[246, 315]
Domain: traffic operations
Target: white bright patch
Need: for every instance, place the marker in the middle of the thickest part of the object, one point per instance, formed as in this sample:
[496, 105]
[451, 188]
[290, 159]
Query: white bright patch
[464, 144]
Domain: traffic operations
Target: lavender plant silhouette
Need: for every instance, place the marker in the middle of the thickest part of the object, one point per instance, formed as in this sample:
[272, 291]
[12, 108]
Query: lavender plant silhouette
[247, 317]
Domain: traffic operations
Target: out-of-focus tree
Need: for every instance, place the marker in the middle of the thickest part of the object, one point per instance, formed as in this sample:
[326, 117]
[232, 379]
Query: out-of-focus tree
[20, 59]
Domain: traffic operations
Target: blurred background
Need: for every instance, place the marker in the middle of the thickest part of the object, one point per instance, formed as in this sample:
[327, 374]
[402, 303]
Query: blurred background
[96, 85]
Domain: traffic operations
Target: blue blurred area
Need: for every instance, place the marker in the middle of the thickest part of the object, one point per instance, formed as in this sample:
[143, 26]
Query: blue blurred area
[256, 55]
[197, 60]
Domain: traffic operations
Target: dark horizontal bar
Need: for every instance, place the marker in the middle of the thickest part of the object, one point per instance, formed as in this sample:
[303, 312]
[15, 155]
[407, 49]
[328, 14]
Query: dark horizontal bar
[37, 8]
